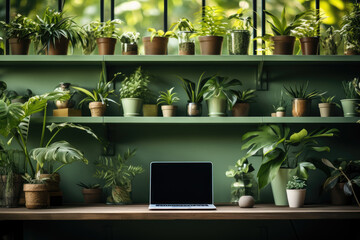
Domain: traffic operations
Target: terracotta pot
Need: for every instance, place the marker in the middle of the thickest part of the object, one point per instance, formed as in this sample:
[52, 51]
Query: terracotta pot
[158, 46]
[241, 109]
[326, 109]
[106, 46]
[36, 196]
[97, 109]
[210, 45]
[130, 49]
[168, 110]
[301, 107]
[19, 46]
[53, 182]
[92, 195]
[296, 197]
[310, 45]
[280, 114]
[338, 196]
[60, 47]
[283, 45]
[150, 110]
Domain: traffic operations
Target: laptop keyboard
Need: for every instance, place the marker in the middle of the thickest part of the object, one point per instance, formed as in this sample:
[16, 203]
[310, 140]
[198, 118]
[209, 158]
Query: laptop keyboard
[181, 205]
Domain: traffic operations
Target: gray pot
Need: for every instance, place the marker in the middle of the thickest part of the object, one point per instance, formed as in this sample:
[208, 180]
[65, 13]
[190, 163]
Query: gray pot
[350, 107]
[238, 42]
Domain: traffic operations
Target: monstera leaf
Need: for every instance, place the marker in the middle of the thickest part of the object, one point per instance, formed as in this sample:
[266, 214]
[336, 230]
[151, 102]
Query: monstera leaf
[10, 117]
[61, 126]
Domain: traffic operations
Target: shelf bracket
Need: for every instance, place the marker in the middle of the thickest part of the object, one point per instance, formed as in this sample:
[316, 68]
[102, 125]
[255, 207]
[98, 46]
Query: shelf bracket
[261, 78]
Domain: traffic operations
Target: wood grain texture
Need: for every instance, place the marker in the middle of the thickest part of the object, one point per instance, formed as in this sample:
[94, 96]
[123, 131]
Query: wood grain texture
[141, 212]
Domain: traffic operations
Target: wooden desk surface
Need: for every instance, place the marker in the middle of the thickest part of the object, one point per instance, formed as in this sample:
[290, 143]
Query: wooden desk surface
[141, 212]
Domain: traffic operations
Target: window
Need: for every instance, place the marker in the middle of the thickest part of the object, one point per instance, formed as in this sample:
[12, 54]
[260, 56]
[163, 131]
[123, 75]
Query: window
[84, 11]
[31, 8]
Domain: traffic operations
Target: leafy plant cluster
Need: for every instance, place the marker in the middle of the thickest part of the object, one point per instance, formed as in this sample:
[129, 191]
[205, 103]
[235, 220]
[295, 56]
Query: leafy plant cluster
[183, 24]
[192, 89]
[212, 21]
[106, 29]
[331, 41]
[350, 30]
[309, 25]
[301, 91]
[351, 89]
[168, 97]
[135, 85]
[130, 37]
[239, 21]
[20, 27]
[161, 33]
[296, 183]
[34, 180]
[245, 96]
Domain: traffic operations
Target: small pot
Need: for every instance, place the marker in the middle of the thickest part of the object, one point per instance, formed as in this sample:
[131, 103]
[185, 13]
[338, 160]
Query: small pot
[217, 107]
[158, 46]
[241, 109]
[210, 45]
[186, 43]
[273, 114]
[283, 45]
[60, 47]
[168, 110]
[193, 109]
[92, 195]
[130, 49]
[310, 45]
[280, 114]
[106, 46]
[238, 42]
[350, 107]
[97, 109]
[326, 109]
[131, 106]
[121, 195]
[36, 196]
[296, 197]
[53, 182]
[338, 196]
[301, 107]
[62, 104]
[150, 110]
[349, 51]
[19, 46]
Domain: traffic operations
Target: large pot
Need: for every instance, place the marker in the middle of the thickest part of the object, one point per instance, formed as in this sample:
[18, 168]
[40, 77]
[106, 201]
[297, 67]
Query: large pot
[278, 185]
[210, 45]
[36, 196]
[301, 107]
[10, 188]
[296, 197]
[238, 42]
[130, 49]
[326, 109]
[350, 107]
[168, 110]
[283, 45]
[97, 109]
[121, 195]
[193, 109]
[131, 106]
[216, 106]
[338, 196]
[19, 46]
[241, 109]
[310, 45]
[92, 195]
[158, 46]
[150, 110]
[106, 46]
[59, 48]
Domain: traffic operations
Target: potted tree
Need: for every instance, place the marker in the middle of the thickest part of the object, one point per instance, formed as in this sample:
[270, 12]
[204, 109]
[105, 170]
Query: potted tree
[327, 106]
[282, 155]
[195, 96]
[168, 98]
[296, 191]
[54, 32]
[245, 183]
[239, 35]
[212, 26]
[36, 192]
[331, 41]
[132, 92]
[280, 107]
[157, 43]
[118, 175]
[92, 193]
[243, 100]
[351, 102]
[350, 31]
[99, 97]
[219, 92]
[301, 103]
[283, 42]
[185, 36]
[19, 31]
[129, 42]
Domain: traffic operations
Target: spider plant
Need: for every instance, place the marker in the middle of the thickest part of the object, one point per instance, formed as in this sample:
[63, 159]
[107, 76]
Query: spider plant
[329, 100]
[168, 97]
[301, 92]
[192, 89]
[246, 96]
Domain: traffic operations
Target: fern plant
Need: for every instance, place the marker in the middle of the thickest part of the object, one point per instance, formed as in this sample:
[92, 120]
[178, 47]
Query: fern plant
[309, 25]
[135, 85]
[350, 30]
[212, 21]
[168, 97]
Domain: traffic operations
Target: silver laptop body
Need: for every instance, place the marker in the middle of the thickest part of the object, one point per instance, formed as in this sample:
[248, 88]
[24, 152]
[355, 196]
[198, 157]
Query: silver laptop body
[181, 185]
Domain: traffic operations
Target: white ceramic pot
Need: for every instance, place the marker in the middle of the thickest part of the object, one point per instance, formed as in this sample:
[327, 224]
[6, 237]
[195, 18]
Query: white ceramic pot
[296, 197]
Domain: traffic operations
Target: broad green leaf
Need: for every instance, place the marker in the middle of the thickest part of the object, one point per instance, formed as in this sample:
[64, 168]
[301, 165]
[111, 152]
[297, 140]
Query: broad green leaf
[298, 137]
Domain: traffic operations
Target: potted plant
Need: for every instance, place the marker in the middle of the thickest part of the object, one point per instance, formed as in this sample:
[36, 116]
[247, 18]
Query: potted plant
[331, 41]
[239, 35]
[132, 92]
[168, 98]
[245, 183]
[280, 107]
[327, 106]
[99, 97]
[157, 43]
[243, 99]
[283, 154]
[54, 32]
[350, 31]
[219, 92]
[308, 32]
[185, 35]
[129, 42]
[296, 191]
[92, 193]
[212, 26]
[195, 96]
[301, 103]
[65, 87]
[19, 31]
[118, 176]
[351, 102]
[283, 42]
[36, 192]
[344, 175]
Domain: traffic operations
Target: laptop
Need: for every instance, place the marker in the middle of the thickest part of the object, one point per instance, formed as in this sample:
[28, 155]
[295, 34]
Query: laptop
[181, 185]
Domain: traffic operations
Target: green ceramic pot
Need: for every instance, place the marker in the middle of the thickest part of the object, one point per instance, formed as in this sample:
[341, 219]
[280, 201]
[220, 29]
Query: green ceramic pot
[216, 106]
[278, 186]
[350, 106]
[238, 42]
[131, 106]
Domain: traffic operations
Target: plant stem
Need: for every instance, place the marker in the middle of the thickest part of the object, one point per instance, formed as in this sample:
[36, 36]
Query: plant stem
[43, 127]
[352, 189]
[53, 136]
[59, 168]
[23, 146]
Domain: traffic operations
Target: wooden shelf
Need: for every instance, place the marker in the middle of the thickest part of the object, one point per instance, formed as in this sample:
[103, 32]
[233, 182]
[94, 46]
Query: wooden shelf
[141, 212]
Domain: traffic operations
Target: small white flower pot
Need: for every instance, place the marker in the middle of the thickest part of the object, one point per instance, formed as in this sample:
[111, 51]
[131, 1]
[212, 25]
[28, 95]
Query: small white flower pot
[296, 197]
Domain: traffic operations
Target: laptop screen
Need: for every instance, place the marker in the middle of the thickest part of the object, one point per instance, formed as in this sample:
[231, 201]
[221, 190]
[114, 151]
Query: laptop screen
[181, 183]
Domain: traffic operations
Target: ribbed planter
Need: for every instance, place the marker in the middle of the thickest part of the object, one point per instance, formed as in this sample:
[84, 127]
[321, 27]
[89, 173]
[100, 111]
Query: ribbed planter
[150, 110]
[278, 185]
[131, 106]
[97, 109]
[120, 195]
[210, 45]
[36, 196]
[158, 46]
[217, 107]
[283, 45]
[19, 46]
[106, 46]
[350, 107]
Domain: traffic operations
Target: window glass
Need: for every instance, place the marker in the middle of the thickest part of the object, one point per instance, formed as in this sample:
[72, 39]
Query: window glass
[84, 11]
[31, 8]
